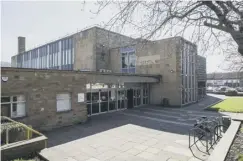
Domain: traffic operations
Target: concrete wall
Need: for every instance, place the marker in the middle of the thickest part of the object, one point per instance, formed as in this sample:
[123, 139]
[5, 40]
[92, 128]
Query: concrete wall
[84, 50]
[112, 39]
[40, 89]
[115, 60]
[158, 57]
[162, 58]
[92, 46]
[105, 40]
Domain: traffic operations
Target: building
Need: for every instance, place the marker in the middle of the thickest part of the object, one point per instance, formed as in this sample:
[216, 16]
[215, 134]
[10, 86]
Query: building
[231, 79]
[5, 64]
[201, 76]
[97, 71]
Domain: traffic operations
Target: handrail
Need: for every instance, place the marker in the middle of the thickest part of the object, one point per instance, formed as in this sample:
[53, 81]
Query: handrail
[27, 127]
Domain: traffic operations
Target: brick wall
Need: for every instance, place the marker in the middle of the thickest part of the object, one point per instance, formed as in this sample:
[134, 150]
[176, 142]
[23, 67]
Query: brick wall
[40, 89]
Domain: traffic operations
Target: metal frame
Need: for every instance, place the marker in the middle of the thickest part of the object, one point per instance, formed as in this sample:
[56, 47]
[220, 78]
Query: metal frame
[208, 129]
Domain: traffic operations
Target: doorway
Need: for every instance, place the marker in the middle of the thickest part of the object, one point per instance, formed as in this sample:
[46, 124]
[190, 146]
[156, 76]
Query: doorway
[99, 103]
[136, 97]
[130, 98]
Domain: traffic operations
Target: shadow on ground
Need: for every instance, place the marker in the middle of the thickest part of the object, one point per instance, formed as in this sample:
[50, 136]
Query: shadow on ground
[108, 121]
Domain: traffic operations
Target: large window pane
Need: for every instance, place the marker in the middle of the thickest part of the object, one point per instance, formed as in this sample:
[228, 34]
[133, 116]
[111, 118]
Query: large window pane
[124, 62]
[132, 61]
[5, 99]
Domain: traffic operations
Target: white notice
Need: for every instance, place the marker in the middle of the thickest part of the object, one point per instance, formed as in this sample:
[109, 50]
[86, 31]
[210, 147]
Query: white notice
[80, 97]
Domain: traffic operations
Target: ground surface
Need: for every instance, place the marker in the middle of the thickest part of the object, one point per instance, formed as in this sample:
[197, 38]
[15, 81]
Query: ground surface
[147, 133]
[236, 150]
[230, 104]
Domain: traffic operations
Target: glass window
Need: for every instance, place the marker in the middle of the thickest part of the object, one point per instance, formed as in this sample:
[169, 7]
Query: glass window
[72, 56]
[70, 59]
[124, 62]
[63, 102]
[13, 106]
[132, 61]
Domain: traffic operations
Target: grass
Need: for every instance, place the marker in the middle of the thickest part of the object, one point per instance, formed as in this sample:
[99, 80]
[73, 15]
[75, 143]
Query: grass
[234, 104]
[240, 158]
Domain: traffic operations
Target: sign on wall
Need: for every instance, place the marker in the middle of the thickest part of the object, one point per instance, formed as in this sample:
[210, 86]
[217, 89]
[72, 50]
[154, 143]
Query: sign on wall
[80, 97]
[147, 60]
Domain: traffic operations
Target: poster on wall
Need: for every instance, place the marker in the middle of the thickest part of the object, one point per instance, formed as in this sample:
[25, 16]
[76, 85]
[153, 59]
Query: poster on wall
[80, 97]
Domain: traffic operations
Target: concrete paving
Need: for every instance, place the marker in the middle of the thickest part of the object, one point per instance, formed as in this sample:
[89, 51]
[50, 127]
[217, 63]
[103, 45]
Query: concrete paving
[146, 133]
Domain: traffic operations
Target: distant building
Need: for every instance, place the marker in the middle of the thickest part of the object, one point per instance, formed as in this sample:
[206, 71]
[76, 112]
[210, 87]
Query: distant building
[5, 64]
[231, 79]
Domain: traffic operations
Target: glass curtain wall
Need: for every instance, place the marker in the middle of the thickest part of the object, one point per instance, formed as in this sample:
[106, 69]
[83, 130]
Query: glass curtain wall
[55, 55]
[188, 73]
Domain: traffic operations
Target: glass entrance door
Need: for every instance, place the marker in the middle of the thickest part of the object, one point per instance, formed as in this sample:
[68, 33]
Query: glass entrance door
[99, 102]
[95, 102]
[112, 99]
[136, 97]
[122, 98]
[103, 101]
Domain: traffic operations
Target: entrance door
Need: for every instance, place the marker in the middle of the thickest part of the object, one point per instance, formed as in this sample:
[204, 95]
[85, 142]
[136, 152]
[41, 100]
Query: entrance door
[136, 97]
[122, 98]
[95, 102]
[99, 102]
[112, 100]
[103, 101]
[130, 98]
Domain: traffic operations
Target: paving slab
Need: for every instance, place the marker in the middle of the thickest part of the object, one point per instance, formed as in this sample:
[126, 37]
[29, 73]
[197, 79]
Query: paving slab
[141, 134]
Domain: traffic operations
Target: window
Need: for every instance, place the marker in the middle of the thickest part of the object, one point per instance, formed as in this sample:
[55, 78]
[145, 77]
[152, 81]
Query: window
[63, 102]
[128, 59]
[13, 106]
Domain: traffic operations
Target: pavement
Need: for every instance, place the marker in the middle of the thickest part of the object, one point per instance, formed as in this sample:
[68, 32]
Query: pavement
[147, 133]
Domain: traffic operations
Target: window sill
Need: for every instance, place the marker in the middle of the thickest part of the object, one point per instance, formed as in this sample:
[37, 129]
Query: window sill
[19, 118]
[66, 111]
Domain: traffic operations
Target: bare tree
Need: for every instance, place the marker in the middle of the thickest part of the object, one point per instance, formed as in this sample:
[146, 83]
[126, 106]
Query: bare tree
[205, 18]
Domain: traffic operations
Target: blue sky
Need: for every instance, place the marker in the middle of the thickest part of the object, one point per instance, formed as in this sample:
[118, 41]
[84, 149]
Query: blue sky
[41, 22]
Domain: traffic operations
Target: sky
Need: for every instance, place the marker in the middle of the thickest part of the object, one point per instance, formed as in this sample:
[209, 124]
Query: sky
[44, 21]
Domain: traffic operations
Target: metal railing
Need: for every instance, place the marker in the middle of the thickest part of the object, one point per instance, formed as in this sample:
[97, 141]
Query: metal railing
[13, 131]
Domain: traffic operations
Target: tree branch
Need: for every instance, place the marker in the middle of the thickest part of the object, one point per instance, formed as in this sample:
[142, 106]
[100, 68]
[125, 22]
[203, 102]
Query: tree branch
[236, 10]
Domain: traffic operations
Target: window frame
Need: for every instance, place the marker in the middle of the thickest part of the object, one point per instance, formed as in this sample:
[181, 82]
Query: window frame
[129, 57]
[13, 102]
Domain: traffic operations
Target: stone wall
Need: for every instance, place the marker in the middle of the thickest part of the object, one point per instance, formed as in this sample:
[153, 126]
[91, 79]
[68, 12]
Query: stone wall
[40, 88]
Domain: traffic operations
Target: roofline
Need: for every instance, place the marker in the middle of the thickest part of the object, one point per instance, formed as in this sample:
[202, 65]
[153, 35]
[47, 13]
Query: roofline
[52, 41]
[72, 34]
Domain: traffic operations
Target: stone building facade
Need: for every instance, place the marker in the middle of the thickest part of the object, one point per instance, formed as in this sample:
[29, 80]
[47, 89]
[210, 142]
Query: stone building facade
[36, 96]
[39, 90]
